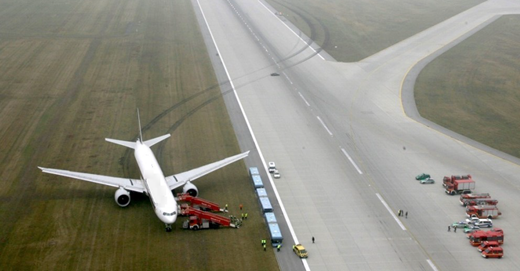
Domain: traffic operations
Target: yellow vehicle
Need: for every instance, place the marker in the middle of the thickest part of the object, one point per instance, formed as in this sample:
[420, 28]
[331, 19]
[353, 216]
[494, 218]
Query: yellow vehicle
[300, 251]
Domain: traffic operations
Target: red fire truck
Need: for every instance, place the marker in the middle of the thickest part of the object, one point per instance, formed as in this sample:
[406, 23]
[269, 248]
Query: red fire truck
[205, 220]
[477, 237]
[483, 211]
[473, 196]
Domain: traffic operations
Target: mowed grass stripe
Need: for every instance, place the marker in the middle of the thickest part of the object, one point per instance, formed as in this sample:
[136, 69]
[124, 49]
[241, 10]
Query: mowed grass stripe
[89, 65]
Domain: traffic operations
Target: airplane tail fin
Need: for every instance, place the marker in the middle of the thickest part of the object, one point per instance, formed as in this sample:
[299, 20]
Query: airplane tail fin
[140, 130]
[131, 145]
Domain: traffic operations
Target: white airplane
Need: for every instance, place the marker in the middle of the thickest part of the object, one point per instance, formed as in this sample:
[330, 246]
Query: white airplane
[153, 182]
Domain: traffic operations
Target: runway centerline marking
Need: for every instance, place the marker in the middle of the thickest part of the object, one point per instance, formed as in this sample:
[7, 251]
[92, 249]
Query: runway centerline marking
[390, 211]
[325, 126]
[432, 265]
[351, 161]
[305, 100]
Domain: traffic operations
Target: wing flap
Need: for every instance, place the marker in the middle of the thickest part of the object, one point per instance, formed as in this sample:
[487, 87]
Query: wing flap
[180, 179]
[127, 183]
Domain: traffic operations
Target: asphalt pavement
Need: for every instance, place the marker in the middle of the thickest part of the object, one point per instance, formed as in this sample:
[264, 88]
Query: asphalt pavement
[346, 149]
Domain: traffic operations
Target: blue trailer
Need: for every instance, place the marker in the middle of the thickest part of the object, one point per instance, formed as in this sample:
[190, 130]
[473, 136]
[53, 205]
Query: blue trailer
[253, 171]
[276, 234]
[257, 181]
[260, 192]
[270, 218]
[265, 204]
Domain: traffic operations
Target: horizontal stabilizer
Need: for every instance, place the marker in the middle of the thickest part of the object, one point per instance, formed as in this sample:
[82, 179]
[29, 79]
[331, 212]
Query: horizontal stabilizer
[156, 140]
[128, 144]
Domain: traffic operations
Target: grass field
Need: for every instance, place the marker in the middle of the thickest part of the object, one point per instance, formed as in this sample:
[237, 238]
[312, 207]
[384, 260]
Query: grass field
[72, 73]
[473, 88]
[351, 30]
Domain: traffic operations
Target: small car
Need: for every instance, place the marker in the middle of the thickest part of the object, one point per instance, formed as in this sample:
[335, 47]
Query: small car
[487, 244]
[276, 174]
[470, 228]
[484, 223]
[422, 176]
[271, 167]
[493, 252]
[428, 180]
[460, 224]
[299, 249]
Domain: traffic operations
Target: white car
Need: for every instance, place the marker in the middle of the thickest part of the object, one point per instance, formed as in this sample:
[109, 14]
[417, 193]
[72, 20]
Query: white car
[484, 223]
[271, 167]
[276, 174]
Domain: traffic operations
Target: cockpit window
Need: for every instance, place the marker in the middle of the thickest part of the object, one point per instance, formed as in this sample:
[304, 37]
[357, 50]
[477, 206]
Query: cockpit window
[169, 214]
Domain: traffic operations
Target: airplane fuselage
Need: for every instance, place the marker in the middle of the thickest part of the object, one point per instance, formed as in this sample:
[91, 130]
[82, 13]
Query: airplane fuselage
[161, 196]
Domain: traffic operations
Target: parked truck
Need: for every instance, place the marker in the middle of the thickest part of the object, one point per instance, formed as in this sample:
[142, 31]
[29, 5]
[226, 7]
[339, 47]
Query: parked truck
[473, 196]
[483, 211]
[485, 201]
[451, 179]
[460, 186]
[477, 237]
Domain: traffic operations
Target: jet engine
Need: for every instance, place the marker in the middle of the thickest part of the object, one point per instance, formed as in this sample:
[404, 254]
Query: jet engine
[190, 189]
[122, 197]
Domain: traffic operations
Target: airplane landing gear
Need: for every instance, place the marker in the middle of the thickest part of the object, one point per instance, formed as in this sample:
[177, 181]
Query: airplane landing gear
[168, 227]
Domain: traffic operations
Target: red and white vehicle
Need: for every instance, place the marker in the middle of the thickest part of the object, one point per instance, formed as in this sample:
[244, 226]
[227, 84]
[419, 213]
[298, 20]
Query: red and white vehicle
[473, 196]
[205, 220]
[486, 244]
[483, 211]
[493, 252]
[458, 184]
[477, 237]
[485, 201]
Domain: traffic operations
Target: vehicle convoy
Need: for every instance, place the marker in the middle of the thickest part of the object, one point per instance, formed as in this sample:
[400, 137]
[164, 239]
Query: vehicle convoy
[200, 203]
[483, 211]
[493, 252]
[458, 184]
[205, 220]
[477, 237]
[484, 201]
[473, 196]
[299, 249]
[487, 244]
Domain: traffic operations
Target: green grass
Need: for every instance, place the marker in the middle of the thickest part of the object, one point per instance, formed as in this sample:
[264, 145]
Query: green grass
[352, 30]
[73, 73]
[473, 88]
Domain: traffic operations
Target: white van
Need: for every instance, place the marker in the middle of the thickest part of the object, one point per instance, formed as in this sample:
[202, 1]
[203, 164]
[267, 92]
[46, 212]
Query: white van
[272, 167]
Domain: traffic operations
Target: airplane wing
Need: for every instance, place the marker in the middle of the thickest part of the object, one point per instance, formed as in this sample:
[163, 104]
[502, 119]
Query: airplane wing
[126, 183]
[178, 180]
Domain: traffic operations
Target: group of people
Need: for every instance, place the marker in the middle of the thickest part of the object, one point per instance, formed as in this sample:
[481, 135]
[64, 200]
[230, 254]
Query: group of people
[400, 213]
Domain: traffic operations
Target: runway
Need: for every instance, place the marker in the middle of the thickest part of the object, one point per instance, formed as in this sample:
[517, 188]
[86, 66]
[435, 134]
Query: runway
[347, 151]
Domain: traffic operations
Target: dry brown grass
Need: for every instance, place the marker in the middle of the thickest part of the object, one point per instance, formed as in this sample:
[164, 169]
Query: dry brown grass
[73, 73]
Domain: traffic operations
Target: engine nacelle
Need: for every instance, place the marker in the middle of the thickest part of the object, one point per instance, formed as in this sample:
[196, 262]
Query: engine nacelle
[190, 189]
[122, 197]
